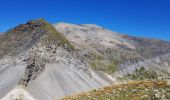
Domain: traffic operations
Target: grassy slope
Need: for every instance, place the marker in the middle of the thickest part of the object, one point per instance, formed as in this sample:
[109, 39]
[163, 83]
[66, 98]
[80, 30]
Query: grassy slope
[54, 36]
[132, 90]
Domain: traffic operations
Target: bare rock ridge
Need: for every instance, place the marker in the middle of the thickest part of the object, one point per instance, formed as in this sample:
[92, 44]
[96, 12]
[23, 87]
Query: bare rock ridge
[39, 63]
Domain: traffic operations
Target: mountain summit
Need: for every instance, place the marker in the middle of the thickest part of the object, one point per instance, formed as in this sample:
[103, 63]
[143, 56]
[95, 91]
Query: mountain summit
[26, 35]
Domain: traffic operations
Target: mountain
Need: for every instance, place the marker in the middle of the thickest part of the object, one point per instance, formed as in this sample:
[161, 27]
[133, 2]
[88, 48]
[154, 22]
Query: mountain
[39, 63]
[155, 56]
[100, 47]
[110, 51]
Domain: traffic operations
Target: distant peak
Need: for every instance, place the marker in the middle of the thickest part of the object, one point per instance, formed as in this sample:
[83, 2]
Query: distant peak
[90, 25]
[63, 25]
[24, 36]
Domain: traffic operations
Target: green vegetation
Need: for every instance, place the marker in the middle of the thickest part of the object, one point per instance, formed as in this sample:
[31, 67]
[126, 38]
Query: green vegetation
[111, 68]
[141, 74]
[95, 56]
[95, 60]
[99, 62]
[94, 65]
[55, 37]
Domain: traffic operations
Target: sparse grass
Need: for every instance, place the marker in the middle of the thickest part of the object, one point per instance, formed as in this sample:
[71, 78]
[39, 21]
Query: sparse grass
[100, 63]
[54, 36]
[93, 65]
[15, 40]
[142, 73]
[95, 56]
[132, 90]
[111, 68]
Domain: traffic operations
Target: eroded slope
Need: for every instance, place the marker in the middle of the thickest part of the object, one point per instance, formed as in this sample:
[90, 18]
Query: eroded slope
[42, 61]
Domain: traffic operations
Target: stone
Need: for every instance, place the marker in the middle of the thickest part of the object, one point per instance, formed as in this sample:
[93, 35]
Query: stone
[158, 95]
[144, 97]
[146, 89]
[163, 97]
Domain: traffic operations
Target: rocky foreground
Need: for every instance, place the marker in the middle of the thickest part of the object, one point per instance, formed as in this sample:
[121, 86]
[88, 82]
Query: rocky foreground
[132, 90]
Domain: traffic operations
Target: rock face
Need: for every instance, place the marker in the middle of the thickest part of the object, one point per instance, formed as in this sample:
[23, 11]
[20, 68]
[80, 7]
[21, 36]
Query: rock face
[39, 59]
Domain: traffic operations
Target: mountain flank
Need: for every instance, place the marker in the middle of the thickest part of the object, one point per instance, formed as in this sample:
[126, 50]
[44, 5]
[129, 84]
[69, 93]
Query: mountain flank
[42, 63]
[114, 53]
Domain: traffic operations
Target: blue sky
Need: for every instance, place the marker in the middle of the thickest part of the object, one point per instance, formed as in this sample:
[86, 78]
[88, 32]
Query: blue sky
[146, 18]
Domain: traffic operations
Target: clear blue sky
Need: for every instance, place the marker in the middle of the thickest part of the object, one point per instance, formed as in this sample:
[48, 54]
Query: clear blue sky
[148, 18]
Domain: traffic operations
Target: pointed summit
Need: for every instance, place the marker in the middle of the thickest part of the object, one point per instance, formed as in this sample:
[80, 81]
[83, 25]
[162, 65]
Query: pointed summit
[24, 36]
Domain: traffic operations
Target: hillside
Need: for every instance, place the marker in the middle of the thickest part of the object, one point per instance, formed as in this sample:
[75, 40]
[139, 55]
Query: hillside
[38, 61]
[101, 48]
[132, 90]
[113, 52]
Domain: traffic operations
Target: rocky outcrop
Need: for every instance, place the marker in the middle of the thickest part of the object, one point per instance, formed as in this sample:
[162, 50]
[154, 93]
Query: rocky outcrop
[35, 65]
